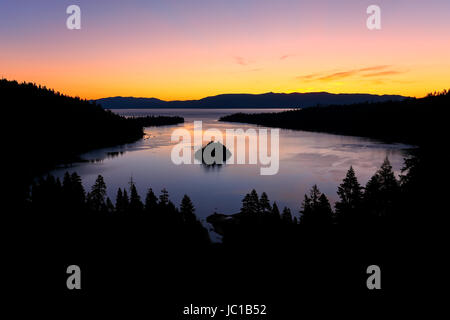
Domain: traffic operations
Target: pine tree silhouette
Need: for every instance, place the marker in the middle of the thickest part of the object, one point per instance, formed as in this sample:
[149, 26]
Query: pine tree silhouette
[187, 210]
[316, 209]
[286, 216]
[275, 212]
[264, 204]
[382, 192]
[246, 205]
[254, 202]
[97, 196]
[151, 201]
[350, 198]
[119, 201]
[135, 205]
[164, 198]
[79, 195]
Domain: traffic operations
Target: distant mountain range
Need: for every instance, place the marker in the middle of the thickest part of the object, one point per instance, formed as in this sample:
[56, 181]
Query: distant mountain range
[266, 100]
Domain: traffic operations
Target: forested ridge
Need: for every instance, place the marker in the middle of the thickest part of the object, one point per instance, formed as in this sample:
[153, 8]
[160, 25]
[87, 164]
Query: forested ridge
[381, 204]
[265, 100]
[45, 128]
[416, 121]
[407, 207]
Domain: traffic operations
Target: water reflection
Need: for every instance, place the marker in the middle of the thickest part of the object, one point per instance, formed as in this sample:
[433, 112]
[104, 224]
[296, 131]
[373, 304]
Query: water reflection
[306, 158]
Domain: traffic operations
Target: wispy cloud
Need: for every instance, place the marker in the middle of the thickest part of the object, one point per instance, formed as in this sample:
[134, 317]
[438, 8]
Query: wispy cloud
[374, 68]
[309, 76]
[338, 75]
[241, 61]
[286, 56]
[373, 71]
[383, 73]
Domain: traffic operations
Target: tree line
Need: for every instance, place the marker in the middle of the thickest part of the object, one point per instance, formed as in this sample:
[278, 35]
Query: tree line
[52, 128]
[416, 121]
[67, 200]
[378, 204]
[149, 121]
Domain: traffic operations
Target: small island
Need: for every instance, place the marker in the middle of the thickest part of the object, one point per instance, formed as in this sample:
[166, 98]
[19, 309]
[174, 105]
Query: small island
[207, 154]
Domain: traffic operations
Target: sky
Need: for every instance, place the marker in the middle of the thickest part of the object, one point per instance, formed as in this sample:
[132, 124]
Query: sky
[189, 49]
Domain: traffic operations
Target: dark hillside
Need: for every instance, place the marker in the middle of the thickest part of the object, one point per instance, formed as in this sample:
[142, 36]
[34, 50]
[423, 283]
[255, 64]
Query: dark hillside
[45, 128]
[415, 121]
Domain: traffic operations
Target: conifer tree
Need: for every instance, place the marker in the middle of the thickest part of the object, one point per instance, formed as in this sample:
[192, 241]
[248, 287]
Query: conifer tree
[350, 197]
[151, 201]
[389, 183]
[286, 216]
[264, 204]
[324, 211]
[250, 204]
[316, 209]
[119, 201]
[125, 201]
[275, 212]
[97, 201]
[187, 210]
[254, 202]
[164, 197]
[381, 192]
[135, 205]
[78, 192]
[246, 206]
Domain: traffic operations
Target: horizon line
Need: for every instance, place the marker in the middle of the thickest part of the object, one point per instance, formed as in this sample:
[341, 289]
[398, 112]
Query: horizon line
[255, 94]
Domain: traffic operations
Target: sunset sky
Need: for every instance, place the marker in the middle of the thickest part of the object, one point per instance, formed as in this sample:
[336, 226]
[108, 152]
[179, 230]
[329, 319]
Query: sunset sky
[189, 49]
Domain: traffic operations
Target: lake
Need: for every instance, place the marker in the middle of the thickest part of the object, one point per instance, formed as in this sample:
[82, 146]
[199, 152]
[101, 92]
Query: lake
[306, 158]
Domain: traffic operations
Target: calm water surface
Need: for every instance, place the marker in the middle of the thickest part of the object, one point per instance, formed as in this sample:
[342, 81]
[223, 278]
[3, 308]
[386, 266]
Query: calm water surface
[306, 158]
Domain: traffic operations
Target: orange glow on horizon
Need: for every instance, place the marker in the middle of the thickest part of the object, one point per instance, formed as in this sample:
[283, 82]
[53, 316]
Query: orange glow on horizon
[265, 50]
